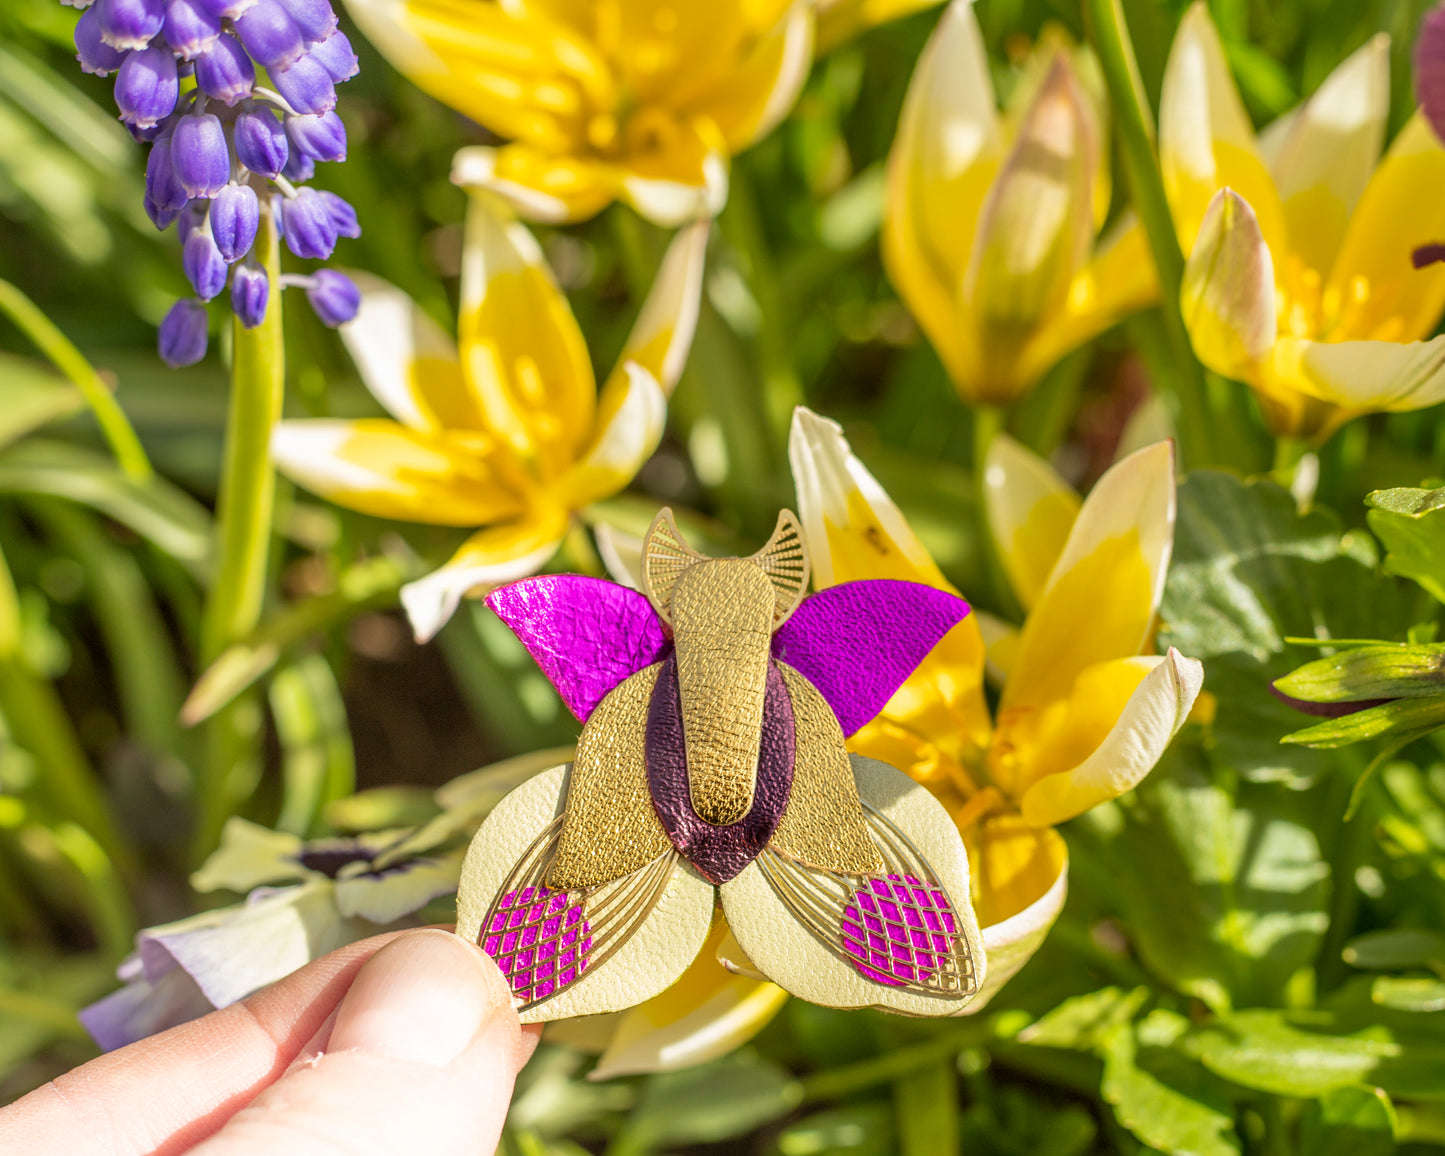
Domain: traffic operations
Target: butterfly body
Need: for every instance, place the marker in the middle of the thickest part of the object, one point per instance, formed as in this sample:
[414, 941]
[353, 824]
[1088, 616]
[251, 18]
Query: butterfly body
[719, 761]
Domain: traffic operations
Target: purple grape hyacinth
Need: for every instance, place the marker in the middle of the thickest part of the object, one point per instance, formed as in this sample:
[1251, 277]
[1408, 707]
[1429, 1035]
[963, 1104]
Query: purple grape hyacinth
[229, 153]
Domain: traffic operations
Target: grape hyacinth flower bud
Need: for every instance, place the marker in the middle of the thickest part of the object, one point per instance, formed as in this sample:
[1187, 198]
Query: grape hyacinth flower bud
[224, 71]
[190, 27]
[306, 86]
[314, 18]
[261, 142]
[322, 138]
[183, 334]
[95, 55]
[299, 168]
[235, 216]
[228, 9]
[250, 290]
[307, 226]
[130, 24]
[199, 155]
[147, 87]
[343, 216]
[162, 187]
[334, 297]
[203, 264]
[270, 35]
[335, 54]
[190, 219]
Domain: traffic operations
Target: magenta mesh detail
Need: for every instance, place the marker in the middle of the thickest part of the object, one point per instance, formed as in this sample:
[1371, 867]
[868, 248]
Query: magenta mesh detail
[896, 928]
[539, 940]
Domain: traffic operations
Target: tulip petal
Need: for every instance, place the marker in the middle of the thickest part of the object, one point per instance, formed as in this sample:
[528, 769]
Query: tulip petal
[662, 335]
[384, 897]
[841, 20]
[1373, 291]
[1206, 140]
[629, 427]
[678, 172]
[1030, 513]
[854, 530]
[1099, 603]
[249, 855]
[522, 351]
[552, 189]
[1227, 295]
[1022, 879]
[948, 149]
[1034, 231]
[707, 1013]
[1362, 376]
[518, 73]
[621, 554]
[1152, 717]
[486, 559]
[407, 360]
[1325, 159]
[385, 469]
[762, 87]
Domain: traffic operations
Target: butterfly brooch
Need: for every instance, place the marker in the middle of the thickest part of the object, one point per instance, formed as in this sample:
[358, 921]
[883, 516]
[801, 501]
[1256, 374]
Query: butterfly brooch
[711, 765]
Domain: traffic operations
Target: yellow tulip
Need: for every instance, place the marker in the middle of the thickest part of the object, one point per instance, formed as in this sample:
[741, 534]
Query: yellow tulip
[1299, 280]
[504, 428]
[639, 100]
[1084, 712]
[991, 217]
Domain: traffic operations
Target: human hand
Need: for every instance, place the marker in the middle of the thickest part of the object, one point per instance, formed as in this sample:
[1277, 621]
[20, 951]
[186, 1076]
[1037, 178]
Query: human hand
[398, 1044]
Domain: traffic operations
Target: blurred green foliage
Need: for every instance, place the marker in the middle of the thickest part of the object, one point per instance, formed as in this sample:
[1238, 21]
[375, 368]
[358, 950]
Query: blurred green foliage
[1238, 969]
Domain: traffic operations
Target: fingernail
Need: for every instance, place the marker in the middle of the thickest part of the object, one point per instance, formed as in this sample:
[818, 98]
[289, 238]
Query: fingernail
[422, 997]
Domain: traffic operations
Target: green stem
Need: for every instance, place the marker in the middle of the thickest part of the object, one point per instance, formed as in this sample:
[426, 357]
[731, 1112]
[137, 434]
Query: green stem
[245, 508]
[114, 425]
[840, 1083]
[1287, 454]
[988, 423]
[1135, 122]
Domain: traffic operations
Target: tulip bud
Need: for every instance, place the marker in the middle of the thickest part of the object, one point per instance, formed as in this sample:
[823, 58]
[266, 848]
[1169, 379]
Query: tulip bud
[307, 225]
[334, 297]
[162, 186]
[343, 216]
[225, 72]
[199, 154]
[306, 86]
[250, 292]
[182, 338]
[190, 28]
[335, 54]
[270, 35]
[314, 18]
[320, 137]
[235, 217]
[95, 55]
[261, 142]
[127, 24]
[1384, 670]
[147, 87]
[203, 264]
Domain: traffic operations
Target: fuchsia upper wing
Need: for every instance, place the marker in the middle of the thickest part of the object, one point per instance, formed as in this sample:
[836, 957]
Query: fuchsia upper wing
[859, 641]
[587, 634]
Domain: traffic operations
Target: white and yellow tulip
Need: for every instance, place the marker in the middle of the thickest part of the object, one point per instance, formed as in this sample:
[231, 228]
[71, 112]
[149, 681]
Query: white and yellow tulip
[989, 231]
[1085, 712]
[639, 100]
[504, 428]
[1300, 280]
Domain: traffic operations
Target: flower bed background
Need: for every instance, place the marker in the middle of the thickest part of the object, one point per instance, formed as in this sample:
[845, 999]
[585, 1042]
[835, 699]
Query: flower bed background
[211, 689]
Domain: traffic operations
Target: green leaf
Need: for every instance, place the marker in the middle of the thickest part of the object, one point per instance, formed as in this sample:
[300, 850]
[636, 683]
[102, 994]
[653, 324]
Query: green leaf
[1403, 719]
[709, 1104]
[1220, 884]
[1078, 1023]
[864, 1130]
[1167, 1100]
[1249, 572]
[1410, 995]
[1349, 1122]
[156, 510]
[34, 396]
[1411, 524]
[1396, 948]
